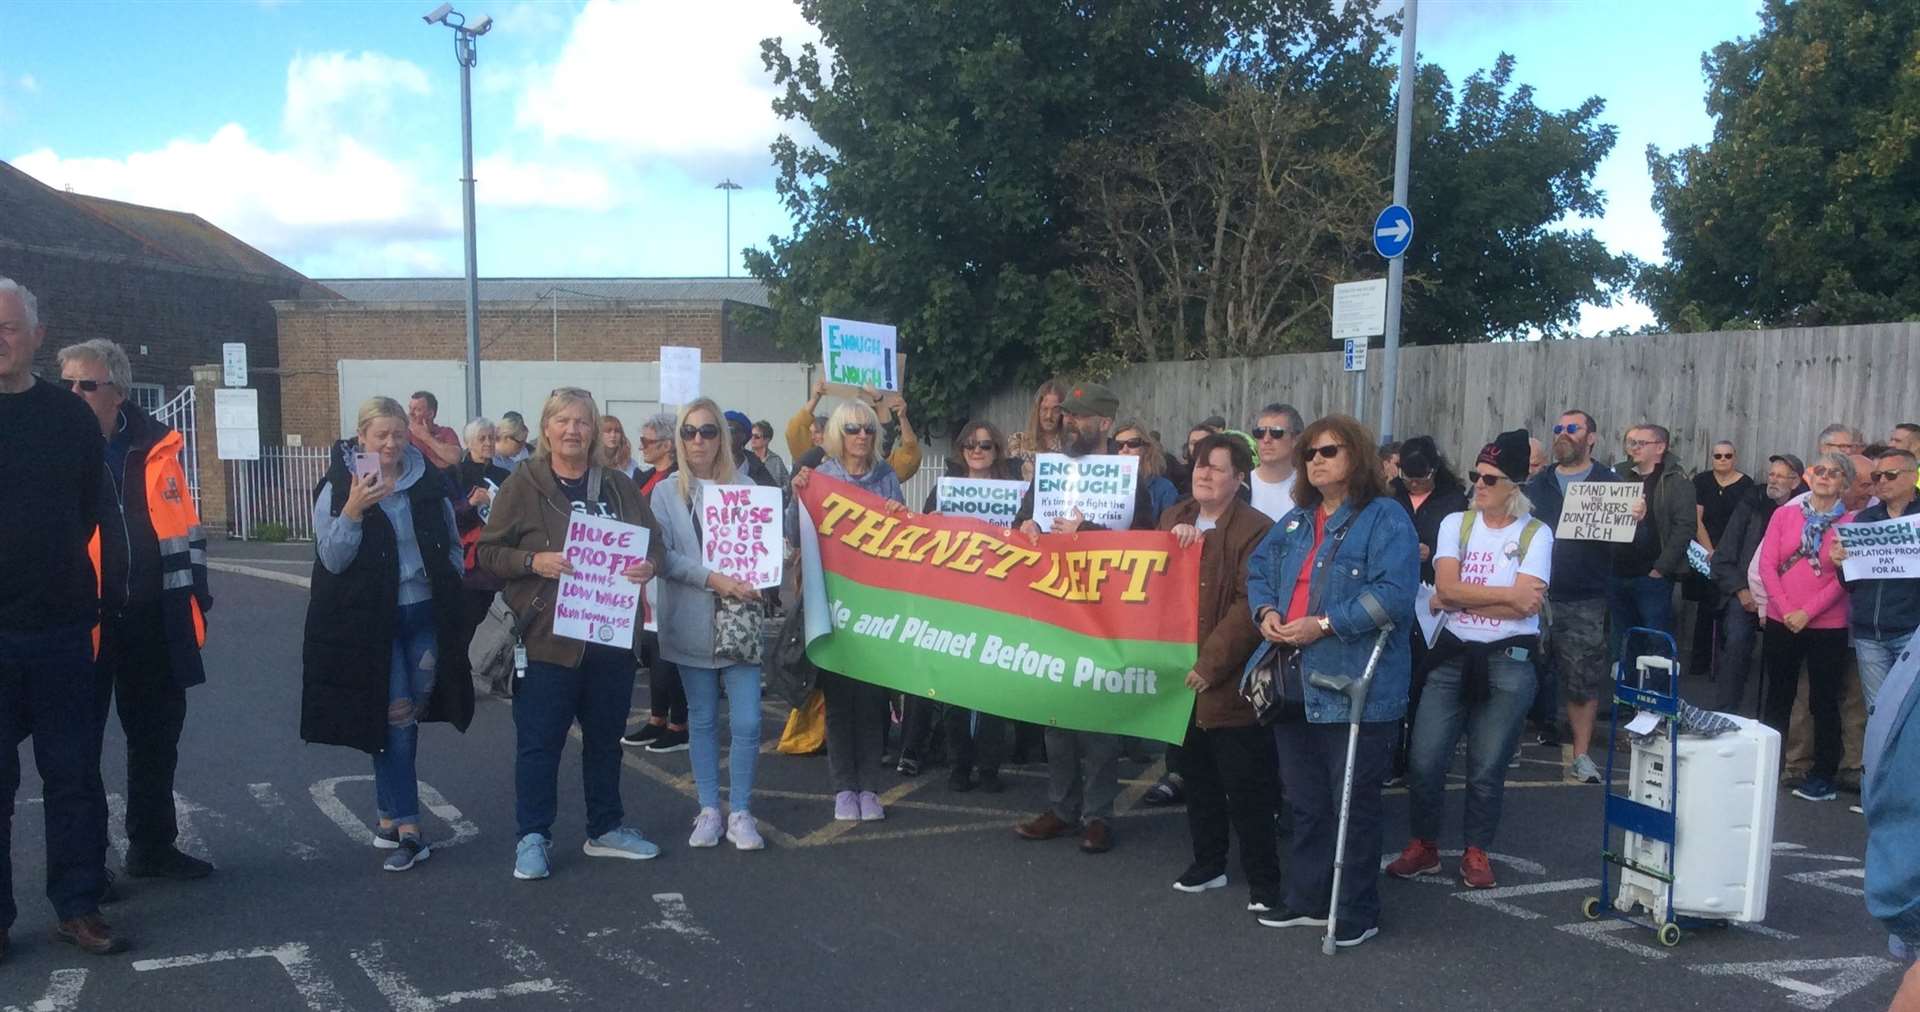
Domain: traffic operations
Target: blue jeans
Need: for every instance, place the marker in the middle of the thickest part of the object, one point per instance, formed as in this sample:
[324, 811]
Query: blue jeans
[396, 787]
[703, 719]
[545, 704]
[1638, 601]
[1492, 725]
[47, 693]
[1876, 659]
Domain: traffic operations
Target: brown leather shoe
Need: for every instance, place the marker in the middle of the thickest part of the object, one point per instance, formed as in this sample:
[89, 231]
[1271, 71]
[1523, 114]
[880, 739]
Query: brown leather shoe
[1098, 839]
[1045, 826]
[90, 933]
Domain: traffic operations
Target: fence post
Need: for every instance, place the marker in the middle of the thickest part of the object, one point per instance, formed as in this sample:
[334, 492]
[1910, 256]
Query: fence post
[213, 470]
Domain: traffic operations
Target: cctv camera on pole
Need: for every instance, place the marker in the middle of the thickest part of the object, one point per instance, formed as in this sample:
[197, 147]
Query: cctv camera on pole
[465, 54]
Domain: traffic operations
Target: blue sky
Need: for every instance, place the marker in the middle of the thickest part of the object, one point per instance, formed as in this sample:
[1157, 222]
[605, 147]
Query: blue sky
[327, 134]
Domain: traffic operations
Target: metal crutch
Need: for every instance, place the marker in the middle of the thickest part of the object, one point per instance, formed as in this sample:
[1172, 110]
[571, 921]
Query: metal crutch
[1356, 693]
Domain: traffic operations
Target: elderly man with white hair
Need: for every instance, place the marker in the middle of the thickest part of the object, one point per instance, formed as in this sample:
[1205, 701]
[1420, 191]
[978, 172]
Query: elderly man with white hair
[54, 460]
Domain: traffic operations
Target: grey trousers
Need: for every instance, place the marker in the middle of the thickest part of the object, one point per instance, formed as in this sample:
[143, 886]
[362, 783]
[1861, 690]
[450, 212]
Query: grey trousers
[1082, 774]
[856, 718]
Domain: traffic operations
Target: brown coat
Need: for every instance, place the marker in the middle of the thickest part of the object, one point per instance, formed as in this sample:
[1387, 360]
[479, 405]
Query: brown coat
[530, 515]
[1227, 633]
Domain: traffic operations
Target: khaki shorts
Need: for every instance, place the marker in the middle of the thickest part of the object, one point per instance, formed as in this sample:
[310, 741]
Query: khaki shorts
[1577, 643]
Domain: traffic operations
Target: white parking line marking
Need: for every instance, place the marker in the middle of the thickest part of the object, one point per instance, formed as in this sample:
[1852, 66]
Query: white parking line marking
[326, 796]
[312, 983]
[401, 993]
[63, 993]
[675, 919]
[1519, 864]
[1849, 974]
[1603, 931]
[1492, 898]
[1826, 880]
[268, 797]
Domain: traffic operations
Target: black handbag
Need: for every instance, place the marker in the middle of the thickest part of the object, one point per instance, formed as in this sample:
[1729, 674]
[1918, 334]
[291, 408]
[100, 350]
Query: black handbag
[787, 668]
[1277, 686]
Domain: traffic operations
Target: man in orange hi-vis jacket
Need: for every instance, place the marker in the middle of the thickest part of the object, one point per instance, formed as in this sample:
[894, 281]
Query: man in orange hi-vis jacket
[152, 562]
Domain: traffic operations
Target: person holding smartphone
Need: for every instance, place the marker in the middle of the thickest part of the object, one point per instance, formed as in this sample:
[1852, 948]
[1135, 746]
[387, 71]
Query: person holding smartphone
[384, 647]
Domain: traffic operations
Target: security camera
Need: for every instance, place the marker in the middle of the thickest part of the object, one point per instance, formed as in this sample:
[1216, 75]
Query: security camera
[439, 14]
[482, 26]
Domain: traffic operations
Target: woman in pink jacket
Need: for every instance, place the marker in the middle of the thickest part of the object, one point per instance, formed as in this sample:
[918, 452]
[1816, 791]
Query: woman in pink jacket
[1807, 616]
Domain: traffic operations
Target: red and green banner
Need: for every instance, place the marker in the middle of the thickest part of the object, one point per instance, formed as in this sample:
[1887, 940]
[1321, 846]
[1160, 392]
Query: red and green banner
[1092, 631]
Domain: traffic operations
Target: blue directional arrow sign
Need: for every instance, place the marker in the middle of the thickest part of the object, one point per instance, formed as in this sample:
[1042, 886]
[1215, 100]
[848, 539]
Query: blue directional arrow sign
[1392, 231]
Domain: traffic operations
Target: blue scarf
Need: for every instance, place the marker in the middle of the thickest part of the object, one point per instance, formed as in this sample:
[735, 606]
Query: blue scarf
[1816, 528]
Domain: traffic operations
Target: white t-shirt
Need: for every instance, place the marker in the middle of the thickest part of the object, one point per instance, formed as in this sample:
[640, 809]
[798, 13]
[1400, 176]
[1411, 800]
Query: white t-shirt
[1493, 560]
[1274, 498]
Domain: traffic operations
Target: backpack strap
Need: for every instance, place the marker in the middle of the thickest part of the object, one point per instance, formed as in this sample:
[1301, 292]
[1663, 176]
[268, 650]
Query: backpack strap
[1527, 533]
[1466, 531]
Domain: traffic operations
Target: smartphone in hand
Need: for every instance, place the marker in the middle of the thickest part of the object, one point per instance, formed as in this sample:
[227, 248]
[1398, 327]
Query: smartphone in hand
[366, 465]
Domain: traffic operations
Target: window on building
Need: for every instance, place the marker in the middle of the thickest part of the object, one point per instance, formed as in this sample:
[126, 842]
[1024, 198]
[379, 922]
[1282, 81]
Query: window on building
[149, 396]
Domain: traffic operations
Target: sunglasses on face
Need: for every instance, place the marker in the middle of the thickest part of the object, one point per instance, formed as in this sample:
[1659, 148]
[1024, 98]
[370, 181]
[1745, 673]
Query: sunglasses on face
[1131, 444]
[1723, 456]
[1329, 451]
[88, 386]
[1889, 475]
[1571, 429]
[1636, 444]
[1262, 432]
[644, 441]
[1487, 478]
[980, 446]
[854, 429]
[708, 432]
[1823, 471]
[1416, 479]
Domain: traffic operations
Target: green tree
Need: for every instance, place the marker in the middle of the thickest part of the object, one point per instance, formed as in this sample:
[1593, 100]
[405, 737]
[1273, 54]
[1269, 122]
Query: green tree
[1495, 179]
[1802, 209]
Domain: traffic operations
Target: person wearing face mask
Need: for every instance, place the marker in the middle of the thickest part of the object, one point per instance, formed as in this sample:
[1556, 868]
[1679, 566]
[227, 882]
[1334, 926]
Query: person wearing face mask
[1742, 594]
[383, 650]
[1807, 616]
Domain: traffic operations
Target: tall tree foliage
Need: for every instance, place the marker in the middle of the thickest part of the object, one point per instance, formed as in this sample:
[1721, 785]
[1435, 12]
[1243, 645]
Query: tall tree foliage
[1803, 208]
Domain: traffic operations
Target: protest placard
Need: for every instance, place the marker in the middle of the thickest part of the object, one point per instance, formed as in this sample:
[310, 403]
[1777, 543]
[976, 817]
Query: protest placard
[679, 375]
[741, 534]
[597, 603]
[993, 500]
[1698, 558]
[858, 354]
[1882, 550]
[1599, 511]
[1100, 486]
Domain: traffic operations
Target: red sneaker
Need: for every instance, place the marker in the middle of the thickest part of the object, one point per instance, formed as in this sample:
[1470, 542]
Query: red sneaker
[1474, 869]
[1422, 857]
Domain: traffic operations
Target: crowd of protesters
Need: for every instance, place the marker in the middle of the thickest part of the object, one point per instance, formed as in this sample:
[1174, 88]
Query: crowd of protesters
[1317, 545]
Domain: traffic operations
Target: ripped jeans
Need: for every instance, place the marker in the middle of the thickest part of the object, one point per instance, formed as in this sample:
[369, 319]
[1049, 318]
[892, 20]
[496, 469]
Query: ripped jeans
[396, 789]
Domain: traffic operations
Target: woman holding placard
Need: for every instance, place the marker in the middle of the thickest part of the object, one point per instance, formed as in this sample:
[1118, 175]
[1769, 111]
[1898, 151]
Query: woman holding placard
[697, 605]
[386, 601]
[566, 679]
[855, 709]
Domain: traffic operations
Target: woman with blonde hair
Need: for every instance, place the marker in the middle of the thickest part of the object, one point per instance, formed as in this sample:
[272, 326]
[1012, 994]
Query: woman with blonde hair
[510, 441]
[566, 679]
[692, 598]
[383, 647]
[856, 710]
[614, 450]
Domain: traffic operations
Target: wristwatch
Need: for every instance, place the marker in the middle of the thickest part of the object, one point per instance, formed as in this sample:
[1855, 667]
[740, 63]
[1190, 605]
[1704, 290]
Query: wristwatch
[1326, 626]
[528, 567]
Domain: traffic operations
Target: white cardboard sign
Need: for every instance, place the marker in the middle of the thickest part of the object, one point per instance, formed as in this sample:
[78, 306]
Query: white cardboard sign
[997, 501]
[860, 354]
[679, 375]
[741, 533]
[1881, 550]
[236, 423]
[1599, 511]
[596, 603]
[1100, 486]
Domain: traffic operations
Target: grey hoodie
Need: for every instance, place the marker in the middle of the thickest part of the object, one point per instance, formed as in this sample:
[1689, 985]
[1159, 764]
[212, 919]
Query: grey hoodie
[337, 538]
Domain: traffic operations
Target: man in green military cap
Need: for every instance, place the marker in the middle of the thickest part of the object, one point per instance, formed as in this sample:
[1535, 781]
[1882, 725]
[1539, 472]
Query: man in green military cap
[1082, 767]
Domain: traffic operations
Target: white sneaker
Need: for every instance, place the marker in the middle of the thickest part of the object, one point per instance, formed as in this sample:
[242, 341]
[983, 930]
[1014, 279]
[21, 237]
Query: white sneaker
[1582, 770]
[744, 833]
[706, 829]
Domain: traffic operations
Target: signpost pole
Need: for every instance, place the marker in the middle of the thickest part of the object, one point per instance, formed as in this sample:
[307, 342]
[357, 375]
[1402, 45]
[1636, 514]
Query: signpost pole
[1397, 266]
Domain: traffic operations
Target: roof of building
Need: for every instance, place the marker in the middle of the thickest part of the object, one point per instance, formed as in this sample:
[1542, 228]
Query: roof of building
[744, 290]
[35, 214]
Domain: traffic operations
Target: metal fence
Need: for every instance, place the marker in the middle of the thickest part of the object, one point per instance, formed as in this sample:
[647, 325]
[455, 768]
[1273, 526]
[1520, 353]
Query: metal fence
[178, 414]
[272, 498]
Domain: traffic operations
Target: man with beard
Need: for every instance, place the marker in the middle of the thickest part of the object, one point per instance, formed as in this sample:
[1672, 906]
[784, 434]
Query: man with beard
[1740, 587]
[1576, 609]
[1082, 766]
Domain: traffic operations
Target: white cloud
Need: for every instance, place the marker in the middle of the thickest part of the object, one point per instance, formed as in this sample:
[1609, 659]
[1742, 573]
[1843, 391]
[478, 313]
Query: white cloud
[679, 82]
[29, 84]
[501, 180]
[328, 93]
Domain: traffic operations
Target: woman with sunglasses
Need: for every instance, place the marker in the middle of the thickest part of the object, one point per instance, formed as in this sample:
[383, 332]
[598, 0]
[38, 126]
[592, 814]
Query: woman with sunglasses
[856, 710]
[665, 729]
[1133, 439]
[1717, 491]
[1491, 573]
[1329, 577]
[978, 740]
[567, 680]
[704, 447]
[1807, 616]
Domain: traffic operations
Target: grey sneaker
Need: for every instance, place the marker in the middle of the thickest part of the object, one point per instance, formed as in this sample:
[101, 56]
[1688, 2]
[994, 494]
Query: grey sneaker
[530, 857]
[409, 851]
[706, 829]
[744, 832]
[1582, 770]
[624, 843]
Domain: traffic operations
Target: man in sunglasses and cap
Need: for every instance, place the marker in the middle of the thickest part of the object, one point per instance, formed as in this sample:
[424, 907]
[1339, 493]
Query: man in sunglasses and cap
[1576, 612]
[1082, 766]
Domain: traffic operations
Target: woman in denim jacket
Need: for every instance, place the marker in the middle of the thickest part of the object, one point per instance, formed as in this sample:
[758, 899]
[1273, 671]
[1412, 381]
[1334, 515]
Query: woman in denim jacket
[1357, 552]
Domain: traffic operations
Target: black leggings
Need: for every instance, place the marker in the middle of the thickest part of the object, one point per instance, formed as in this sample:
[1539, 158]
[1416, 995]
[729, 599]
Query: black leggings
[665, 694]
[1825, 654]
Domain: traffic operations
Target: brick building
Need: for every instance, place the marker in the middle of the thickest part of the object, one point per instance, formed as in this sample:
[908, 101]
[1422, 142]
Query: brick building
[168, 286]
[521, 320]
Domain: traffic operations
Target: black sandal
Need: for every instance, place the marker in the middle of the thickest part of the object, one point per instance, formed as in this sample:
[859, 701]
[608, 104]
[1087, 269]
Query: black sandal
[1169, 791]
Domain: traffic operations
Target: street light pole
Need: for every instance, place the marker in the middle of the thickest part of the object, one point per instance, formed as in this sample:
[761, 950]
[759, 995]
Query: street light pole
[1397, 267]
[466, 55]
[729, 185]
